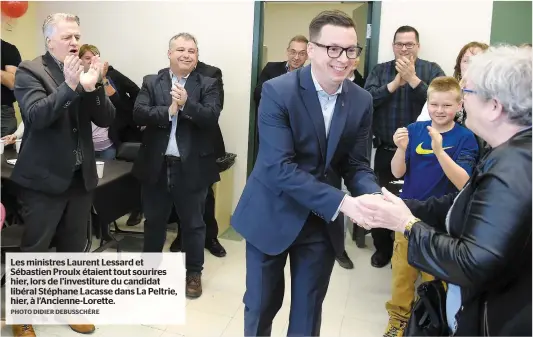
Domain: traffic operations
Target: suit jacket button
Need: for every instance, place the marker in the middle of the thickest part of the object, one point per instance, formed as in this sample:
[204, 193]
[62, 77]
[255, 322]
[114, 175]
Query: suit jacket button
[74, 130]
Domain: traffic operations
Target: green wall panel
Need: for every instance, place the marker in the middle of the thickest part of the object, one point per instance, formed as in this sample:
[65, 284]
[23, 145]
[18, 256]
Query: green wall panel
[511, 22]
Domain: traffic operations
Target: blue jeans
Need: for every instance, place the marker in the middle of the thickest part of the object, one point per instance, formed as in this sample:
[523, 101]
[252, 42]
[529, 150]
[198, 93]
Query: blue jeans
[108, 154]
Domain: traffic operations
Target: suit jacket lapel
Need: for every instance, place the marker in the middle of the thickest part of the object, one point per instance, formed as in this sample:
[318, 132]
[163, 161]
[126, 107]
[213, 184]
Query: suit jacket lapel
[338, 121]
[166, 85]
[283, 68]
[52, 68]
[192, 84]
[310, 99]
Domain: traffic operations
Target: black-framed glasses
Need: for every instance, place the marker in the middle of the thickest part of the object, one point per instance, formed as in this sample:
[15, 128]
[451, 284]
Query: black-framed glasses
[408, 45]
[336, 51]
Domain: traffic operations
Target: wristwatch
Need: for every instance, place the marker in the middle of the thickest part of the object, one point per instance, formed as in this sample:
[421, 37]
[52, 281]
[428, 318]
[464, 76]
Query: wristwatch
[407, 230]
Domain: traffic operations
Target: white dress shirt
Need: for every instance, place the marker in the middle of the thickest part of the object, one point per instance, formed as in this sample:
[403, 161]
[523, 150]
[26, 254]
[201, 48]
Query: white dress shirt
[172, 147]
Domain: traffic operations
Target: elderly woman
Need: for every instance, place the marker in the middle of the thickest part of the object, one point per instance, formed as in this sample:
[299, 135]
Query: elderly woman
[479, 240]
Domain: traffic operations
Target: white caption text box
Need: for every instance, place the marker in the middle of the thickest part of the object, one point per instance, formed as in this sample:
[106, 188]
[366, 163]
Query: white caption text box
[100, 289]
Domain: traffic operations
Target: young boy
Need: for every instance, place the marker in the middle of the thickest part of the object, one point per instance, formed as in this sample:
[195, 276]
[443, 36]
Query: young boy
[435, 158]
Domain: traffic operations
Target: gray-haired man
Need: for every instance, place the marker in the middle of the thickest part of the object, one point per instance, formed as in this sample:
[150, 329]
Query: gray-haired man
[56, 168]
[177, 163]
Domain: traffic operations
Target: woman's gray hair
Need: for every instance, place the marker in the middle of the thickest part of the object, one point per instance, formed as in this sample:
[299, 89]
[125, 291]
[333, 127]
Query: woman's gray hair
[504, 73]
[51, 21]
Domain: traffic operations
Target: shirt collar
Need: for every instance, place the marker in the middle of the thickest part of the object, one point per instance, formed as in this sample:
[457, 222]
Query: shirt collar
[60, 64]
[172, 75]
[352, 78]
[318, 87]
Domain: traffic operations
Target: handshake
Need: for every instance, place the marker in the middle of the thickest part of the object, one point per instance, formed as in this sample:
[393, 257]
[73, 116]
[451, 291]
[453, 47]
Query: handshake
[377, 211]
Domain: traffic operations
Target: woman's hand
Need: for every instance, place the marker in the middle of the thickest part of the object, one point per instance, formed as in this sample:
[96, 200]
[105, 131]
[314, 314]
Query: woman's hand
[390, 212]
[9, 139]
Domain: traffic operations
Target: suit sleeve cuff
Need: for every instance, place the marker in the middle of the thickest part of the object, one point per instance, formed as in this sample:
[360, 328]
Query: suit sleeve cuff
[338, 210]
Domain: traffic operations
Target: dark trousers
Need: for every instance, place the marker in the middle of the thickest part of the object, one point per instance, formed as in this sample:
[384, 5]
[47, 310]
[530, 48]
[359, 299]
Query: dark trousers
[56, 220]
[211, 224]
[8, 121]
[383, 239]
[312, 258]
[157, 204]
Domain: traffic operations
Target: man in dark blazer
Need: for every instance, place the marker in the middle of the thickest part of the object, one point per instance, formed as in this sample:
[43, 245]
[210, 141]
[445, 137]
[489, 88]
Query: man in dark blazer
[211, 236]
[56, 168]
[314, 125]
[176, 163]
[296, 58]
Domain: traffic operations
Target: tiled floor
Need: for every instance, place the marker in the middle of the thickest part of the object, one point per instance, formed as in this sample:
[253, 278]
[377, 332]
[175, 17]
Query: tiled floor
[354, 305]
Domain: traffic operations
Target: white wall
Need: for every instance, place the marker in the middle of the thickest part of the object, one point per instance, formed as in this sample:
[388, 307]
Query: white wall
[444, 27]
[284, 20]
[133, 36]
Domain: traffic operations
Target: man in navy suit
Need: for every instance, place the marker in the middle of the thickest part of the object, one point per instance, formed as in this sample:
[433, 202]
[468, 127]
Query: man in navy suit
[314, 126]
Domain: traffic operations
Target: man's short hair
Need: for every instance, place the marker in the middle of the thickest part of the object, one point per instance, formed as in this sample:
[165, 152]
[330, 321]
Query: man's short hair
[332, 17]
[407, 29]
[185, 36]
[298, 38]
[88, 47]
[445, 84]
[51, 21]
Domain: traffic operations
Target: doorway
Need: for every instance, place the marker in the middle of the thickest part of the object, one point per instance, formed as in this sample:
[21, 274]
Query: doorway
[276, 22]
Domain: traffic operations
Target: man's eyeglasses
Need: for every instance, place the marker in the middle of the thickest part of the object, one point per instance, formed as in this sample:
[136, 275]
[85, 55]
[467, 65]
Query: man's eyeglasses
[336, 51]
[399, 45]
[293, 53]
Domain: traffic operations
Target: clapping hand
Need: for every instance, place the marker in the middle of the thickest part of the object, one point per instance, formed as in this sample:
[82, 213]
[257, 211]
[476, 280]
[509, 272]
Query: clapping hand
[105, 68]
[436, 140]
[176, 97]
[401, 138]
[406, 68]
[72, 69]
[89, 79]
[182, 95]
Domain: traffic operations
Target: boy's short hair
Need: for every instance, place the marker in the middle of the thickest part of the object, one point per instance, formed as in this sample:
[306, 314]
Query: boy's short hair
[445, 84]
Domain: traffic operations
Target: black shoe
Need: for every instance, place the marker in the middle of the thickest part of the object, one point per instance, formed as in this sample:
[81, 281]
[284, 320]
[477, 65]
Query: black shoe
[380, 259]
[135, 218]
[215, 248]
[175, 247]
[359, 235]
[344, 261]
